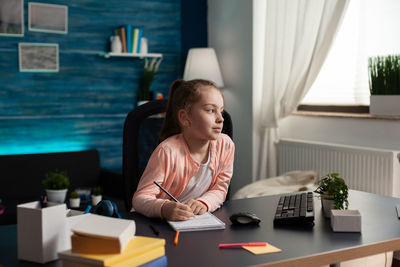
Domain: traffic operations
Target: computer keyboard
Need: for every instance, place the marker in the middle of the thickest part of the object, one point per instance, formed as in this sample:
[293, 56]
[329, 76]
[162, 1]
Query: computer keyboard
[297, 208]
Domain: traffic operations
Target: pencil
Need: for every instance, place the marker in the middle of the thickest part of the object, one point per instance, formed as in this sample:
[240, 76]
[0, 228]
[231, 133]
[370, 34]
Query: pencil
[250, 244]
[176, 238]
[166, 192]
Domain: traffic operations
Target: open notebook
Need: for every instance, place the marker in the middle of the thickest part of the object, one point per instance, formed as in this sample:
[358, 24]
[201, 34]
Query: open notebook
[203, 222]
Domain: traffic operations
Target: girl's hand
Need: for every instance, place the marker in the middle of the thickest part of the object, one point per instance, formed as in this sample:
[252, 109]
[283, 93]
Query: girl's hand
[196, 206]
[174, 211]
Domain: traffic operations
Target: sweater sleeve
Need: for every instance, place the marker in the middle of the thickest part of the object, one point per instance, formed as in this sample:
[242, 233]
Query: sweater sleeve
[216, 195]
[145, 198]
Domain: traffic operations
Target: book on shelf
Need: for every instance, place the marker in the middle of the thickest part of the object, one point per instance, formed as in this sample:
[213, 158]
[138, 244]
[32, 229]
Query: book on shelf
[122, 36]
[139, 40]
[128, 31]
[206, 221]
[131, 38]
[101, 234]
[139, 251]
[135, 39]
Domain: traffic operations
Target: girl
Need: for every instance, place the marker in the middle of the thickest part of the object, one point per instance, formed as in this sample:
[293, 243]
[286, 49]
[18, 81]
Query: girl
[194, 161]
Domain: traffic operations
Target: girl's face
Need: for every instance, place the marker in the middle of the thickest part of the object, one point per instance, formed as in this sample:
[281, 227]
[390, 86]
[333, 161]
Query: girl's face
[204, 120]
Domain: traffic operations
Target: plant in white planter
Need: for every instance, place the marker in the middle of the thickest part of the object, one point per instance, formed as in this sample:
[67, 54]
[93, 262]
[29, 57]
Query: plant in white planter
[384, 83]
[74, 200]
[150, 69]
[334, 193]
[96, 195]
[56, 185]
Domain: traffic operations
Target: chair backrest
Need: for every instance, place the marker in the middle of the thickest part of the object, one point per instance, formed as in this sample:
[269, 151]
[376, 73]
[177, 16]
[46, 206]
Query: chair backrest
[141, 132]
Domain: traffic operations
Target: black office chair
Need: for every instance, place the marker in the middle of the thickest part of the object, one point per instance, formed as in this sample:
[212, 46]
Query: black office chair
[141, 131]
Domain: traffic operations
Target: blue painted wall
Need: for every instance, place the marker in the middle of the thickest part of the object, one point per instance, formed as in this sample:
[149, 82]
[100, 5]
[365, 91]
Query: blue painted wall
[84, 105]
[194, 27]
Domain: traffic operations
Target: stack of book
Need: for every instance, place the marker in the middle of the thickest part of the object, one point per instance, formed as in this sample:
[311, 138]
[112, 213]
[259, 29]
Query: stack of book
[105, 241]
[131, 38]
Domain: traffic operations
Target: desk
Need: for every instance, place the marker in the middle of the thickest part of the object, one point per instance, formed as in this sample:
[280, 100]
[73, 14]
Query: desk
[312, 246]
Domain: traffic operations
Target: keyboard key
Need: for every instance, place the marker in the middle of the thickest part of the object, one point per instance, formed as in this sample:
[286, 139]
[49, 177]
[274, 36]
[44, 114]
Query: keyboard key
[291, 202]
[310, 205]
[286, 203]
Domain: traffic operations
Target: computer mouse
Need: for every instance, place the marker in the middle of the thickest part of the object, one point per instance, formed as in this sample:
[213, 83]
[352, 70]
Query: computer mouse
[244, 218]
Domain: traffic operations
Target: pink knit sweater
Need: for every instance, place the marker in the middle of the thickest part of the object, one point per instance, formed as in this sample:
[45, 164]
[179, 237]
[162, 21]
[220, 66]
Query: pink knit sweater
[172, 166]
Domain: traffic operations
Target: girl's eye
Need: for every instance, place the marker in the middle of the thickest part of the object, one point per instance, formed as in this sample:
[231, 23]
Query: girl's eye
[210, 110]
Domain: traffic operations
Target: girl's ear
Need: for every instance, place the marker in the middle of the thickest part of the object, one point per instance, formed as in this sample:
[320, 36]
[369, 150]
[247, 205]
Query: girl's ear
[183, 118]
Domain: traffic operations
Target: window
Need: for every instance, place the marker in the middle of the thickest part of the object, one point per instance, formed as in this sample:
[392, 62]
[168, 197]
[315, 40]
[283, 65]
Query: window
[369, 28]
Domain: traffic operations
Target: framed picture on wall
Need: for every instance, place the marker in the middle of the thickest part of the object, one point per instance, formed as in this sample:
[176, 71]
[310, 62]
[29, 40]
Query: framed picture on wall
[47, 18]
[38, 57]
[12, 18]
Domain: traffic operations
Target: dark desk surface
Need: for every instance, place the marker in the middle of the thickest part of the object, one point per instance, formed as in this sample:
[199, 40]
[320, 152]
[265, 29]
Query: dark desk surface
[311, 246]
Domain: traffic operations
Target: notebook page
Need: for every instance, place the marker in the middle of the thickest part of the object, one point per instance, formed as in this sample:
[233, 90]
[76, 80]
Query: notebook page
[206, 221]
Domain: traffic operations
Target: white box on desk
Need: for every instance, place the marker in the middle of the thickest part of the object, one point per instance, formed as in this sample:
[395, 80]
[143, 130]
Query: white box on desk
[41, 232]
[346, 220]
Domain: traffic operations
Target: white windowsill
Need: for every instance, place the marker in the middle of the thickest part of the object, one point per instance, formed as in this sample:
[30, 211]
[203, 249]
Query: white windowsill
[344, 115]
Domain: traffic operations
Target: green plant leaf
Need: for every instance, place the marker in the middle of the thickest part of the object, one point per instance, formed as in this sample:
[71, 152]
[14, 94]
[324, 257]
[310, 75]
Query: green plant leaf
[56, 180]
[74, 194]
[96, 190]
[331, 186]
[384, 75]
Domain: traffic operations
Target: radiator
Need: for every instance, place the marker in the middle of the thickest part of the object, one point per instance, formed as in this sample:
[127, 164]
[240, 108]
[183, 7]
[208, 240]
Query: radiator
[365, 169]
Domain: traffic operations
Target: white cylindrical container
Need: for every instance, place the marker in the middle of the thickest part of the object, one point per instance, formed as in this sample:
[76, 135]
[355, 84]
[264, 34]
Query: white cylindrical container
[144, 46]
[116, 45]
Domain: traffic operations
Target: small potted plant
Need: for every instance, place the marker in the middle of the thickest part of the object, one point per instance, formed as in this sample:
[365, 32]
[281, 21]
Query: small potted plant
[149, 71]
[384, 84]
[96, 195]
[74, 200]
[334, 193]
[56, 185]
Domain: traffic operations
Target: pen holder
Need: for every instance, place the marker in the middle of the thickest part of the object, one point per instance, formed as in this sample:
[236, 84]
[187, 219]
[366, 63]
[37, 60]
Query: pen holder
[41, 232]
[346, 220]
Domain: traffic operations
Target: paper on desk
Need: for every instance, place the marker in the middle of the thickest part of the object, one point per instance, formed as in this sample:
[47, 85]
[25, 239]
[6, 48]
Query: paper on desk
[263, 250]
[206, 221]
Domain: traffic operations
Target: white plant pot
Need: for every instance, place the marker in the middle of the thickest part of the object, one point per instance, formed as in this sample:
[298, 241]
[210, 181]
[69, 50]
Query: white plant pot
[143, 46]
[387, 105]
[74, 202]
[56, 195]
[327, 206]
[95, 199]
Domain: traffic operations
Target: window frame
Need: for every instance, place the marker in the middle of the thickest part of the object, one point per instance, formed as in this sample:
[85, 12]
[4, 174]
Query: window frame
[359, 109]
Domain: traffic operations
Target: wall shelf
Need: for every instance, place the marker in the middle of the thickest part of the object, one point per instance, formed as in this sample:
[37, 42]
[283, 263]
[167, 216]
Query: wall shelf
[148, 55]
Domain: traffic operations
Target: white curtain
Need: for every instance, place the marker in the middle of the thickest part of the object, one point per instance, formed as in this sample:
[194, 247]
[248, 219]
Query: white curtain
[298, 35]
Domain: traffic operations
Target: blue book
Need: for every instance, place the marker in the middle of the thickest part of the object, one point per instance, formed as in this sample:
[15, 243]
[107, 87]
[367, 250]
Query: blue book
[159, 262]
[128, 30]
[139, 40]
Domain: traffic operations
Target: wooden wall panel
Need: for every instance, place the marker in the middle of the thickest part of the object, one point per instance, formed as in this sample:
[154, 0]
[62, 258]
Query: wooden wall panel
[84, 105]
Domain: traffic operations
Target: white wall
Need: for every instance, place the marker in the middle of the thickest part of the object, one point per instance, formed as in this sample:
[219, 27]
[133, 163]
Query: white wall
[349, 131]
[230, 33]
